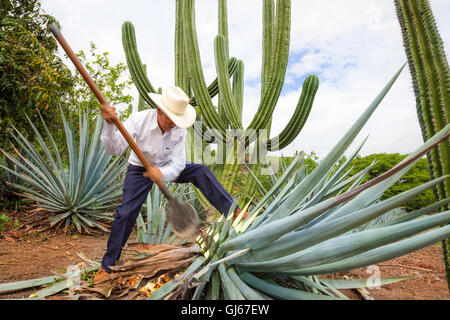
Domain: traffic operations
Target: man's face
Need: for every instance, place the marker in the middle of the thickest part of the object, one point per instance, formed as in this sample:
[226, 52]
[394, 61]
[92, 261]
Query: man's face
[164, 122]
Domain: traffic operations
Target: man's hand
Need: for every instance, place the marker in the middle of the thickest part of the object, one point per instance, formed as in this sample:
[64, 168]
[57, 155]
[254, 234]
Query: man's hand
[108, 113]
[154, 174]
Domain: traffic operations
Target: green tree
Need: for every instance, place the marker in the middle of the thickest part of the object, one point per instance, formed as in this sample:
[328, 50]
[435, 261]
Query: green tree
[417, 175]
[31, 74]
[109, 79]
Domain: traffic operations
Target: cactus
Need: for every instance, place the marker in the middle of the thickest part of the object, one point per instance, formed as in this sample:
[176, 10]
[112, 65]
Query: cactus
[431, 79]
[229, 85]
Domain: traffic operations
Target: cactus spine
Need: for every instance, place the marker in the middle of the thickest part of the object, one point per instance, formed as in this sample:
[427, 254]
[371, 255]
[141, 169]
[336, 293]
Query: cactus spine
[431, 81]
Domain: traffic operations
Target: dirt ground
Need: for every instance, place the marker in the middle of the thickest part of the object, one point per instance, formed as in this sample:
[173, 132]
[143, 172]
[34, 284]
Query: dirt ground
[35, 255]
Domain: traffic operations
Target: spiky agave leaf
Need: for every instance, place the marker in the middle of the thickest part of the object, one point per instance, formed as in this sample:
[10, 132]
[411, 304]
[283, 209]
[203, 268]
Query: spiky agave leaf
[156, 230]
[81, 192]
[301, 229]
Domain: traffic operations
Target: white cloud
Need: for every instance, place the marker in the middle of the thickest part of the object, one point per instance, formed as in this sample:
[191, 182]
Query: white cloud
[354, 46]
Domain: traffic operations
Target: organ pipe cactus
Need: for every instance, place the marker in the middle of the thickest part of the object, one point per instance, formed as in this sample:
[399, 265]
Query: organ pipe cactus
[229, 85]
[431, 80]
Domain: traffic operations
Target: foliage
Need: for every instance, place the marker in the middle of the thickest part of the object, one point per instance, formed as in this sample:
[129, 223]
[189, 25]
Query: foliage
[430, 78]
[80, 192]
[108, 79]
[32, 75]
[7, 196]
[4, 219]
[416, 176]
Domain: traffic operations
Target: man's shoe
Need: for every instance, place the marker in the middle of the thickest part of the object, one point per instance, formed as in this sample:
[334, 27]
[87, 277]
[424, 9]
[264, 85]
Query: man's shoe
[237, 212]
[101, 275]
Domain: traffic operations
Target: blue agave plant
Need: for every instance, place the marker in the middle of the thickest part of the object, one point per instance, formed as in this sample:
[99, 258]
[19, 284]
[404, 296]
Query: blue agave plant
[80, 192]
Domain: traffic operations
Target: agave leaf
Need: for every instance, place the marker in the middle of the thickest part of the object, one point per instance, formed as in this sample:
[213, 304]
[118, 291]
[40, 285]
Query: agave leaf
[28, 194]
[379, 254]
[299, 240]
[331, 182]
[356, 179]
[91, 222]
[347, 245]
[84, 135]
[359, 283]
[314, 177]
[248, 292]
[275, 187]
[20, 285]
[213, 288]
[377, 190]
[94, 147]
[272, 231]
[106, 178]
[41, 182]
[39, 165]
[31, 182]
[280, 292]
[417, 213]
[56, 169]
[230, 289]
[314, 285]
[55, 148]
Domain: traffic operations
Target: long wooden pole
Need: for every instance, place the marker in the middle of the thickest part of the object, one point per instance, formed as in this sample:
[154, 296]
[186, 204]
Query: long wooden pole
[54, 29]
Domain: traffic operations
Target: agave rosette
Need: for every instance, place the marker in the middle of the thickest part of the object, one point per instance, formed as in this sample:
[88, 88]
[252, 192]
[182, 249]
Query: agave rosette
[307, 225]
[81, 192]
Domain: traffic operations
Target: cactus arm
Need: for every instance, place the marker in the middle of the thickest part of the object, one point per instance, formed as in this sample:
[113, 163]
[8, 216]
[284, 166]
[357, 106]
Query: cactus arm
[134, 63]
[238, 88]
[439, 58]
[223, 30]
[141, 101]
[431, 81]
[298, 120]
[181, 71]
[226, 95]
[418, 79]
[268, 13]
[276, 78]
[213, 88]
[266, 69]
[422, 61]
[200, 90]
[441, 105]
[223, 24]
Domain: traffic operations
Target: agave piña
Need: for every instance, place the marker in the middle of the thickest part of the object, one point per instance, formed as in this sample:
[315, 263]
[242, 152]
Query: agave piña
[306, 226]
[81, 192]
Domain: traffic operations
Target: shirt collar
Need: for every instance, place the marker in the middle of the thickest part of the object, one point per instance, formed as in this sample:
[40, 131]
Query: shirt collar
[154, 121]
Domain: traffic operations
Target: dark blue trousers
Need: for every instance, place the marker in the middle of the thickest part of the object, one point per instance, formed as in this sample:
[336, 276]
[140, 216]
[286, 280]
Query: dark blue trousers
[135, 191]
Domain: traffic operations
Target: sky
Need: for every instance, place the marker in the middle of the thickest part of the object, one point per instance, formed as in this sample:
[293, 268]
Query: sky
[353, 46]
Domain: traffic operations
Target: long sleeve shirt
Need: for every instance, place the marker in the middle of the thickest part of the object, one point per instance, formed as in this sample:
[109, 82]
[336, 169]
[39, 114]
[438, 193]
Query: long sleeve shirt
[166, 151]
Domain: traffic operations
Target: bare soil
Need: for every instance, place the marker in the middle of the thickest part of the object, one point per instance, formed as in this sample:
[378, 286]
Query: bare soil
[34, 255]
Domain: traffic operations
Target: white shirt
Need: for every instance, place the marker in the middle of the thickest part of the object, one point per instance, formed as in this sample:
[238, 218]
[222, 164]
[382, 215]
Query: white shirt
[166, 151]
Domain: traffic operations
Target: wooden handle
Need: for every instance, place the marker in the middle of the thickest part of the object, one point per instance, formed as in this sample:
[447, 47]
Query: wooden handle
[55, 31]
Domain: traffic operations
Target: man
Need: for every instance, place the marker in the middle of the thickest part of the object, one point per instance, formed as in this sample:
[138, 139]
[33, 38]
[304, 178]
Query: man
[160, 134]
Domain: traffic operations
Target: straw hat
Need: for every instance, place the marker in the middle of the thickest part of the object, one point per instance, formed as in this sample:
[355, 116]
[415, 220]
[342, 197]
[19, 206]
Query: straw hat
[175, 104]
